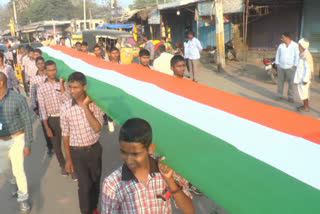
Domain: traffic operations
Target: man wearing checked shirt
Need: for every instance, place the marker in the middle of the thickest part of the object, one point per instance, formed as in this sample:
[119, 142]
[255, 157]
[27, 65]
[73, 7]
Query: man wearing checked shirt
[81, 122]
[51, 95]
[15, 138]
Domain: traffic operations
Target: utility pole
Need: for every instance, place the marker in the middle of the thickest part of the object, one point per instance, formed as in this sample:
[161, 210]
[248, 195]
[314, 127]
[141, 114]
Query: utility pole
[84, 15]
[14, 12]
[220, 33]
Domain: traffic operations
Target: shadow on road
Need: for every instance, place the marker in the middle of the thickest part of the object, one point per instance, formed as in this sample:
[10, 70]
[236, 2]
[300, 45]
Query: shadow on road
[36, 167]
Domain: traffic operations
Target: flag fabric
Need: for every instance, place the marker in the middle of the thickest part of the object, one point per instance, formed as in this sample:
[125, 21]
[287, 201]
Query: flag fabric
[250, 157]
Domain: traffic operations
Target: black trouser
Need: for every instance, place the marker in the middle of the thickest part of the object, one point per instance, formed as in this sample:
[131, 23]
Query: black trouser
[54, 125]
[187, 63]
[48, 140]
[26, 84]
[87, 165]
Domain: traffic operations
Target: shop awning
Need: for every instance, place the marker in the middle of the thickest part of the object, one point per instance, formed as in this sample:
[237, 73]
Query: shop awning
[175, 4]
[116, 26]
[207, 8]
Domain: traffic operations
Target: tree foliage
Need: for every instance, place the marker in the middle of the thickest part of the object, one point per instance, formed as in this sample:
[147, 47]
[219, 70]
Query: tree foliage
[5, 17]
[41, 10]
[49, 9]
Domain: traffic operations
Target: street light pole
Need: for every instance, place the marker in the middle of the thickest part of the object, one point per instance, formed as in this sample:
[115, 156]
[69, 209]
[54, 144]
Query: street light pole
[84, 15]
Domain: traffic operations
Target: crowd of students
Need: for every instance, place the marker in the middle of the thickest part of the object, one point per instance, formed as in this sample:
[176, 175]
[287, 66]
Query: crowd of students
[69, 118]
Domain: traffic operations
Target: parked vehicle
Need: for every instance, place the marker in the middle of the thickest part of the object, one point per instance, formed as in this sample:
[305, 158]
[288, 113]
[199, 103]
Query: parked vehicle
[128, 46]
[271, 68]
[230, 52]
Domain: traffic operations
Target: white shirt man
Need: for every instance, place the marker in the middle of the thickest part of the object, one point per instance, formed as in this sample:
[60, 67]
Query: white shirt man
[193, 48]
[193, 53]
[162, 63]
[186, 50]
[287, 57]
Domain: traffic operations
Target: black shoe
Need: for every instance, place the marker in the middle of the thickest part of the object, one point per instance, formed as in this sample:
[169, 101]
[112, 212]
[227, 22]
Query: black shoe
[290, 100]
[25, 206]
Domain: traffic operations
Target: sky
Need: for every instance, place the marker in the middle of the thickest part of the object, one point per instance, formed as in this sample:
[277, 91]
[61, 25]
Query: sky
[123, 3]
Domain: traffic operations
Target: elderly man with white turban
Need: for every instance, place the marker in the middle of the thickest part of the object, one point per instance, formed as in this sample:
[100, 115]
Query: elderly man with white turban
[303, 74]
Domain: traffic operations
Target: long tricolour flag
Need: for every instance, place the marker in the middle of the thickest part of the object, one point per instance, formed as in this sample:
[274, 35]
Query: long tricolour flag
[251, 158]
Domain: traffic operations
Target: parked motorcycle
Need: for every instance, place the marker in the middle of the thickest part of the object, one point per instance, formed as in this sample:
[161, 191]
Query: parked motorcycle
[230, 52]
[271, 68]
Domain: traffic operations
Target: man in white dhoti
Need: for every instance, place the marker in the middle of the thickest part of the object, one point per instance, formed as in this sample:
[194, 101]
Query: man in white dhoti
[303, 75]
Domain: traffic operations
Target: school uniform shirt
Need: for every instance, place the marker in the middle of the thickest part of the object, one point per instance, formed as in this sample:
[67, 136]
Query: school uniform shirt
[287, 57]
[24, 59]
[35, 83]
[30, 68]
[74, 123]
[12, 79]
[19, 59]
[122, 192]
[50, 98]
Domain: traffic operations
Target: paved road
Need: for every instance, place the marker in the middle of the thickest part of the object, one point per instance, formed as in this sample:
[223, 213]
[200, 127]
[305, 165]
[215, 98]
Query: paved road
[54, 194]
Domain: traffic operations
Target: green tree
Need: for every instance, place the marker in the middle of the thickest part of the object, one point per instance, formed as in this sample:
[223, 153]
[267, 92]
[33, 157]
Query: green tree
[5, 16]
[41, 10]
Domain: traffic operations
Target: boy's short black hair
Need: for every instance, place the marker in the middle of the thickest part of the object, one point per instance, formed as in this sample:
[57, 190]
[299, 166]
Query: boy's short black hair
[84, 44]
[30, 50]
[144, 52]
[161, 48]
[78, 43]
[145, 35]
[136, 130]
[287, 34]
[176, 59]
[21, 47]
[49, 62]
[97, 46]
[114, 49]
[78, 77]
[39, 58]
[38, 51]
